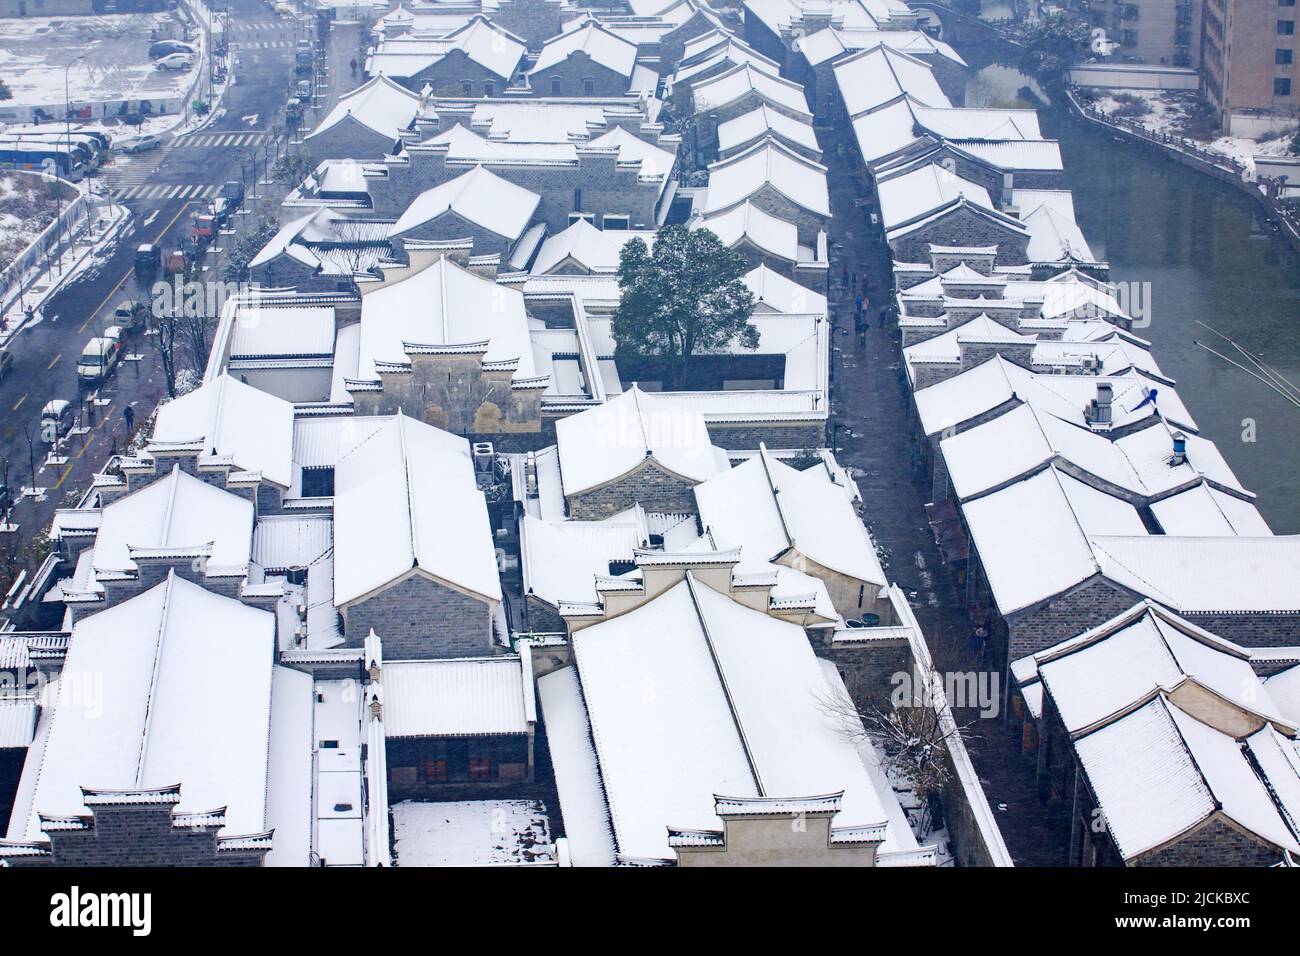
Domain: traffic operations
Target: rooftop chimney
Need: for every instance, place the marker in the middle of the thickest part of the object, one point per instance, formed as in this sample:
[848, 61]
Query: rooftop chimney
[1099, 411]
[1180, 450]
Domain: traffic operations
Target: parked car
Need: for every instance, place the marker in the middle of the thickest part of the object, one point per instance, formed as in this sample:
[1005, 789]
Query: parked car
[98, 359]
[176, 261]
[304, 91]
[141, 144]
[204, 227]
[129, 318]
[57, 418]
[6, 363]
[161, 48]
[148, 259]
[115, 334]
[175, 61]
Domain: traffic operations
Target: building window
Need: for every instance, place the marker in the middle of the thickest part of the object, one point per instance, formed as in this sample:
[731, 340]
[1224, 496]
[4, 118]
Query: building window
[1283, 57]
[1286, 28]
[588, 86]
[489, 88]
[555, 86]
[1286, 3]
[466, 88]
[1282, 86]
[318, 482]
[616, 222]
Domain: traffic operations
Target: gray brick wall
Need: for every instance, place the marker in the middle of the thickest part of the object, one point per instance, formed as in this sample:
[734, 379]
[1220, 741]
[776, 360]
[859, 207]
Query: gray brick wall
[962, 227]
[572, 73]
[419, 618]
[654, 488]
[348, 139]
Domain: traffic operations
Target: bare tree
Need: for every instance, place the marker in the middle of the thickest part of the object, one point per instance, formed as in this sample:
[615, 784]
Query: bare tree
[914, 731]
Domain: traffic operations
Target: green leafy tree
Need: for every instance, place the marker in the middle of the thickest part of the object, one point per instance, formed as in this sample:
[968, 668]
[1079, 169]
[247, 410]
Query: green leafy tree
[1052, 43]
[685, 297]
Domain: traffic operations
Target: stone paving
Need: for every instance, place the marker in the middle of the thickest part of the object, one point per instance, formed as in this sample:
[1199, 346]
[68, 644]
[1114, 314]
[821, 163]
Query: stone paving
[872, 431]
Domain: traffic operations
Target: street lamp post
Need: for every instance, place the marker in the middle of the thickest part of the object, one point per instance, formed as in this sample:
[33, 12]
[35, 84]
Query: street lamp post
[67, 142]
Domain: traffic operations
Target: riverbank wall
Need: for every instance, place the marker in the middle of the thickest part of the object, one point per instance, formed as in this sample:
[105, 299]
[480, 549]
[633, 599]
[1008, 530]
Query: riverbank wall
[1186, 153]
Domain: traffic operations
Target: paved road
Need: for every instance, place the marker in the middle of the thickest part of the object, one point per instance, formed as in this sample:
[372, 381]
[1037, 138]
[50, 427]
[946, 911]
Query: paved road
[161, 188]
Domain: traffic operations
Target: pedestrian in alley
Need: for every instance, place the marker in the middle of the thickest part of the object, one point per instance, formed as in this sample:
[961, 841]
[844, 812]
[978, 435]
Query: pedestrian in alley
[884, 315]
[129, 414]
[844, 277]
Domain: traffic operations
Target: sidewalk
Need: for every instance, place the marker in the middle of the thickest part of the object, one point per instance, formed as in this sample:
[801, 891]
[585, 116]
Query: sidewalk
[79, 253]
[871, 417]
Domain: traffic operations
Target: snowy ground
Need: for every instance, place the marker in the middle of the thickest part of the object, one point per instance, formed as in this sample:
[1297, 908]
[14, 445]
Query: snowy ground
[34, 53]
[27, 206]
[1175, 112]
[471, 833]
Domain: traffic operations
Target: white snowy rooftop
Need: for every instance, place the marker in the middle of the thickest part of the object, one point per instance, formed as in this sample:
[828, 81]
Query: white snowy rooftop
[830, 43]
[406, 501]
[561, 559]
[440, 304]
[875, 76]
[604, 443]
[479, 196]
[775, 293]
[481, 41]
[718, 91]
[767, 163]
[185, 679]
[661, 758]
[177, 513]
[770, 508]
[764, 121]
[456, 698]
[593, 40]
[253, 428]
[380, 104]
[583, 246]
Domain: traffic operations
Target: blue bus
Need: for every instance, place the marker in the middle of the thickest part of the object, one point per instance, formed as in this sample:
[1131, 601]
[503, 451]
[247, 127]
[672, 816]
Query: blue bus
[64, 161]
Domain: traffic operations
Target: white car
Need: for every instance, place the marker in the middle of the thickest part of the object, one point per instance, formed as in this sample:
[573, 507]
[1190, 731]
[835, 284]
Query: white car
[176, 61]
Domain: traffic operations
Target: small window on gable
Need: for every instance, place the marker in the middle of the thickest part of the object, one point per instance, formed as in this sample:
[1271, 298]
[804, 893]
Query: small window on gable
[555, 86]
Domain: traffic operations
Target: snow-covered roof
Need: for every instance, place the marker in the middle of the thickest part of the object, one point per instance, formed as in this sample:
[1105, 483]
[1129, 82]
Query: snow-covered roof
[715, 92]
[586, 247]
[186, 681]
[1029, 154]
[875, 76]
[178, 513]
[764, 121]
[470, 697]
[734, 180]
[592, 39]
[406, 499]
[442, 304]
[1097, 675]
[481, 41]
[1026, 438]
[747, 221]
[263, 331]
[779, 294]
[604, 443]
[288, 541]
[655, 161]
[726, 54]
[1205, 574]
[1158, 772]
[741, 707]
[1032, 536]
[561, 559]
[913, 194]
[890, 127]
[1054, 236]
[479, 196]
[829, 43]
[769, 508]
[999, 382]
[1204, 510]
[253, 428]
[381, 104]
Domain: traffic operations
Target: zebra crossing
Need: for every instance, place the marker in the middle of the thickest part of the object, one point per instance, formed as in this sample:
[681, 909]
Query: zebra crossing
[123, 192]
[207, 140]
[265, 45]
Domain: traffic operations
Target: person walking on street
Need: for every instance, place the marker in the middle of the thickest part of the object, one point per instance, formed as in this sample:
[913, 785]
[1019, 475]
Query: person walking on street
[129, 414]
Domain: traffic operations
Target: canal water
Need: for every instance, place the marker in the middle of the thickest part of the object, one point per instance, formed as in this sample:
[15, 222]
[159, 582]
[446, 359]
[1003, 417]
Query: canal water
[1189, 249]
